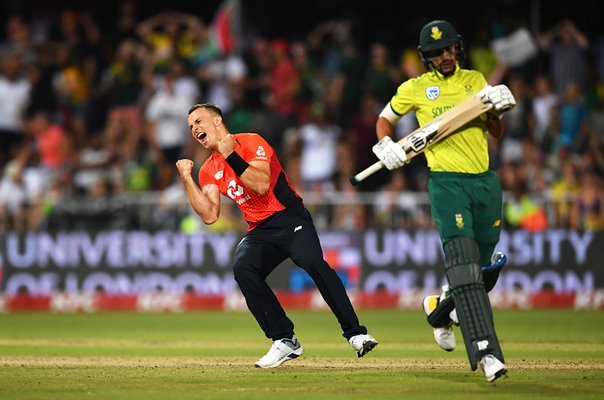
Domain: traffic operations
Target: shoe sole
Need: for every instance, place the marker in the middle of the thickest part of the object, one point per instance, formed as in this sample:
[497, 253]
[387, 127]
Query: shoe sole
[294, 354]
[498, 374]
[367, 347]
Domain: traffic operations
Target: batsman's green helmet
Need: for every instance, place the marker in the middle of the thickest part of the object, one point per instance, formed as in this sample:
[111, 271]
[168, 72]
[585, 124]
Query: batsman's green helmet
[436, 35]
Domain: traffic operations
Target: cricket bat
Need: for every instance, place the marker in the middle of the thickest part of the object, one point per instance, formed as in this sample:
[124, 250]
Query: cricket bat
[433, 132]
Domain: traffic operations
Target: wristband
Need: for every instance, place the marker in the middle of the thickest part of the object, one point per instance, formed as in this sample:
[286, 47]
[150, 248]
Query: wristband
[238, 164]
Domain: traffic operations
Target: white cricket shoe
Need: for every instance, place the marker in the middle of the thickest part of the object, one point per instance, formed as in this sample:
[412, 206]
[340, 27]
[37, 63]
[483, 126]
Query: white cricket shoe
[282, 350]
[492, 367]
[362, 344]
[444, 336]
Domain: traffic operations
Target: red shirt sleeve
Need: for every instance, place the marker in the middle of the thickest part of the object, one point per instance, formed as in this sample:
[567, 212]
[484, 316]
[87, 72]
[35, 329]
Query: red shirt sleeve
[255, 148]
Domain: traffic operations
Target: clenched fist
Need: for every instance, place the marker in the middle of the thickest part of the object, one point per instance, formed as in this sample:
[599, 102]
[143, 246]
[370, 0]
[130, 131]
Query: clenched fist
[226, 145]
[184, 167]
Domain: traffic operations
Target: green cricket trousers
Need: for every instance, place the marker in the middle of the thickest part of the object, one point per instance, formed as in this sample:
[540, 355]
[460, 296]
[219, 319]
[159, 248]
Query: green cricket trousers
[467, 205]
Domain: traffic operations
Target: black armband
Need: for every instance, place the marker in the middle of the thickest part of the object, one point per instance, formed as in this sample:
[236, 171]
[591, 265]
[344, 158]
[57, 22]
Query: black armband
[238, 164]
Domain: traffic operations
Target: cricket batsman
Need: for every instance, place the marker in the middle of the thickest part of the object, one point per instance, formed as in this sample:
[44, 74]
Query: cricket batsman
[465, 196]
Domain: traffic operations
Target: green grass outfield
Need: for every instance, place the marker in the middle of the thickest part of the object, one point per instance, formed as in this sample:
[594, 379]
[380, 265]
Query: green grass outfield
[210, 355]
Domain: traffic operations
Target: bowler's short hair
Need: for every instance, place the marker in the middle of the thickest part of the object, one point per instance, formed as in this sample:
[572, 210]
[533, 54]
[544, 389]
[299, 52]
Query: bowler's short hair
[208, 106]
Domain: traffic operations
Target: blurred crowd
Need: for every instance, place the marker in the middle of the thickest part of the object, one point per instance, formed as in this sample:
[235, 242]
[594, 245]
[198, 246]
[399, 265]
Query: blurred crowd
[92, 117]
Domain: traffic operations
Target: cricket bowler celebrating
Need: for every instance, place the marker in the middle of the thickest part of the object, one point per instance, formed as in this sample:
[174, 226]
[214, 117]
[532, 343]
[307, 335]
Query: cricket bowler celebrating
[465, 196]
[245, 168]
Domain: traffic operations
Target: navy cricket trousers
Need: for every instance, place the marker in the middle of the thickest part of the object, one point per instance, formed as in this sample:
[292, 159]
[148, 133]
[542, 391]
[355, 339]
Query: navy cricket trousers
[289, 233]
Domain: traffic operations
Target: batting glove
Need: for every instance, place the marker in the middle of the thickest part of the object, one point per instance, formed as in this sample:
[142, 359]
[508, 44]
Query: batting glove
[500, 97]
[390, 153]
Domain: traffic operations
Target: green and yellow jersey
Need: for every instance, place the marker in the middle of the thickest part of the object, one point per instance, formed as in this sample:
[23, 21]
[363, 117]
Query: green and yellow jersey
[430, 95]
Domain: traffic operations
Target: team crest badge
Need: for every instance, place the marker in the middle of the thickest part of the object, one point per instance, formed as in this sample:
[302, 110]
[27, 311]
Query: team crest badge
[433, 92]
[436, 33]
[459, 221]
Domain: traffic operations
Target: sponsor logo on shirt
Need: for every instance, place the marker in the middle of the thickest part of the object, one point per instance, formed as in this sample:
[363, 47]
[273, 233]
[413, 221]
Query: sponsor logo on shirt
[219, 175]
[261, 153]
[433, 92]
[235, 192]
